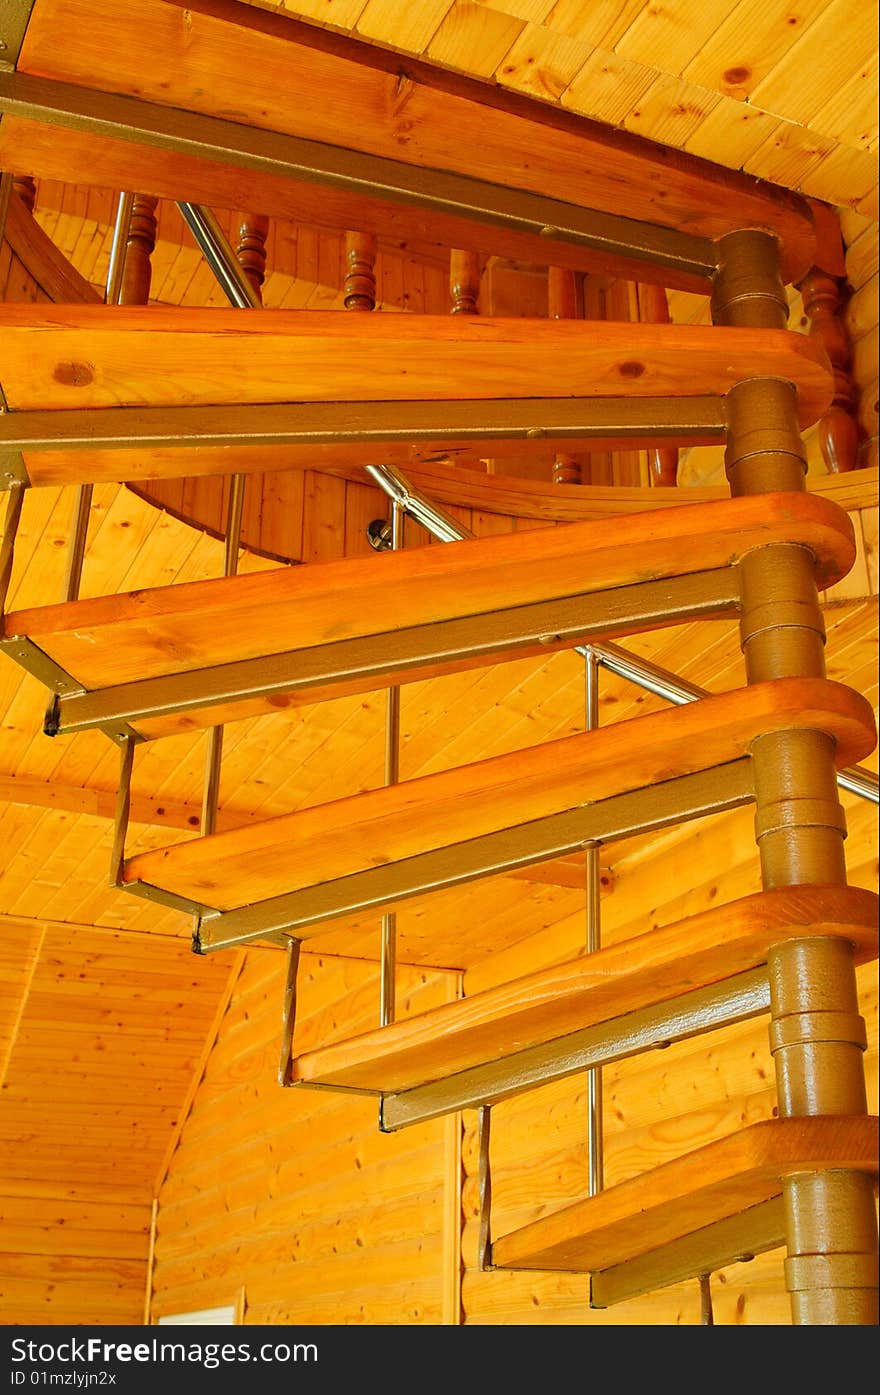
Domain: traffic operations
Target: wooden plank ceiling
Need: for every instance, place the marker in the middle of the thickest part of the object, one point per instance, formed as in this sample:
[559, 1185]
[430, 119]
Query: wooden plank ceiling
[785, 92]
[103, 1012]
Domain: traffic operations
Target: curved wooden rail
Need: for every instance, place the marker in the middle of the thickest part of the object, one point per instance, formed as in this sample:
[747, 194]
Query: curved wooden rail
[49, 268]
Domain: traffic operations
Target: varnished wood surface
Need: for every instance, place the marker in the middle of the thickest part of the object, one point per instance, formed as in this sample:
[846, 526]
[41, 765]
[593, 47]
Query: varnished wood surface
[175, 629]
[103, 356]
[72, 156]
[387, 825]
[50, 269]
[212, 57]
[720, 1180]
[649, 969]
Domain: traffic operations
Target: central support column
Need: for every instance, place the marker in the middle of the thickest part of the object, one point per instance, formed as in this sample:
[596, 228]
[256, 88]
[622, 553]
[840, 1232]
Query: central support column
[816, 1034]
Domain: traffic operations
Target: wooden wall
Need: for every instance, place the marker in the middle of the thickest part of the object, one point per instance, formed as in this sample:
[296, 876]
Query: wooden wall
[295, 1195]
[100, 1033]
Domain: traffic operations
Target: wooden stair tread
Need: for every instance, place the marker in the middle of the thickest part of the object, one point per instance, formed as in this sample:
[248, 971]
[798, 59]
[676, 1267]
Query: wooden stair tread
[719, 1180]
[322, 85]
[651, 968]
[383, 826]
[179, 629]
[64, 356]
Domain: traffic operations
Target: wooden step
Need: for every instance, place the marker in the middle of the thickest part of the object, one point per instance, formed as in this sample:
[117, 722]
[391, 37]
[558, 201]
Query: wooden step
[652, 968]
[78, 356]
[715, 1183]
[446, 822]
[209, 651]
[277, 75]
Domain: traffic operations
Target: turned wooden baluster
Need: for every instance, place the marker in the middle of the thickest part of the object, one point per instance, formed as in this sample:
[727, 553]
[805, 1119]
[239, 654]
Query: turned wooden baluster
[824, 298]
[464, 282]
[662, 460]
[562, 305]
[360, 271]
[137, 271]
[250, 249]
[25, 186]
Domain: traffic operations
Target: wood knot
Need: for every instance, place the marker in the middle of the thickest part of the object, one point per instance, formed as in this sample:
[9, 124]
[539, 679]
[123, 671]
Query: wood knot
[74, 374]
[631, 369]
[735, 77]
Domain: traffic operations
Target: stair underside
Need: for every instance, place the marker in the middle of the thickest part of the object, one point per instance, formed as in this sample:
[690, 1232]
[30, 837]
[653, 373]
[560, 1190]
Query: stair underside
[724, 1179]
[385, 833]
[202, 652]
[652, 968]
[78, 356]
[331, 88]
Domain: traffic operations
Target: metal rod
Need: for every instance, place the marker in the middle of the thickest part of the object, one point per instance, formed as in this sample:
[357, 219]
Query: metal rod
[594, 943]
[241, 294]
[14, 501]
[440, 425]
[233, 524]
[76, 549]
[857, 779]
[123, 810]
[116, 265]
[646, 675]
[214, 753]
[484, 1182]
[388, 964]
[438, 522]
[209, 235]
[288, 1012]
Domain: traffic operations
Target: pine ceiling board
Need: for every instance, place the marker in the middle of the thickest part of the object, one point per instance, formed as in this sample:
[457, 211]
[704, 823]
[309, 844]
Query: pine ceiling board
[670, 110]
[667, 36]
[789, 154]
[830, 51]
[731, 132]
[850, 115]
[754, 37]
[845, 176]
[474, 38]
[456, 929]
[541, 63]
[401, 24]
[608, 87]
[336, 12]
[599, 22]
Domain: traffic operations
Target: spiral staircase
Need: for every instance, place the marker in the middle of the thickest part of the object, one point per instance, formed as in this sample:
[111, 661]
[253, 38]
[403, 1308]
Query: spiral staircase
[85, 385]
